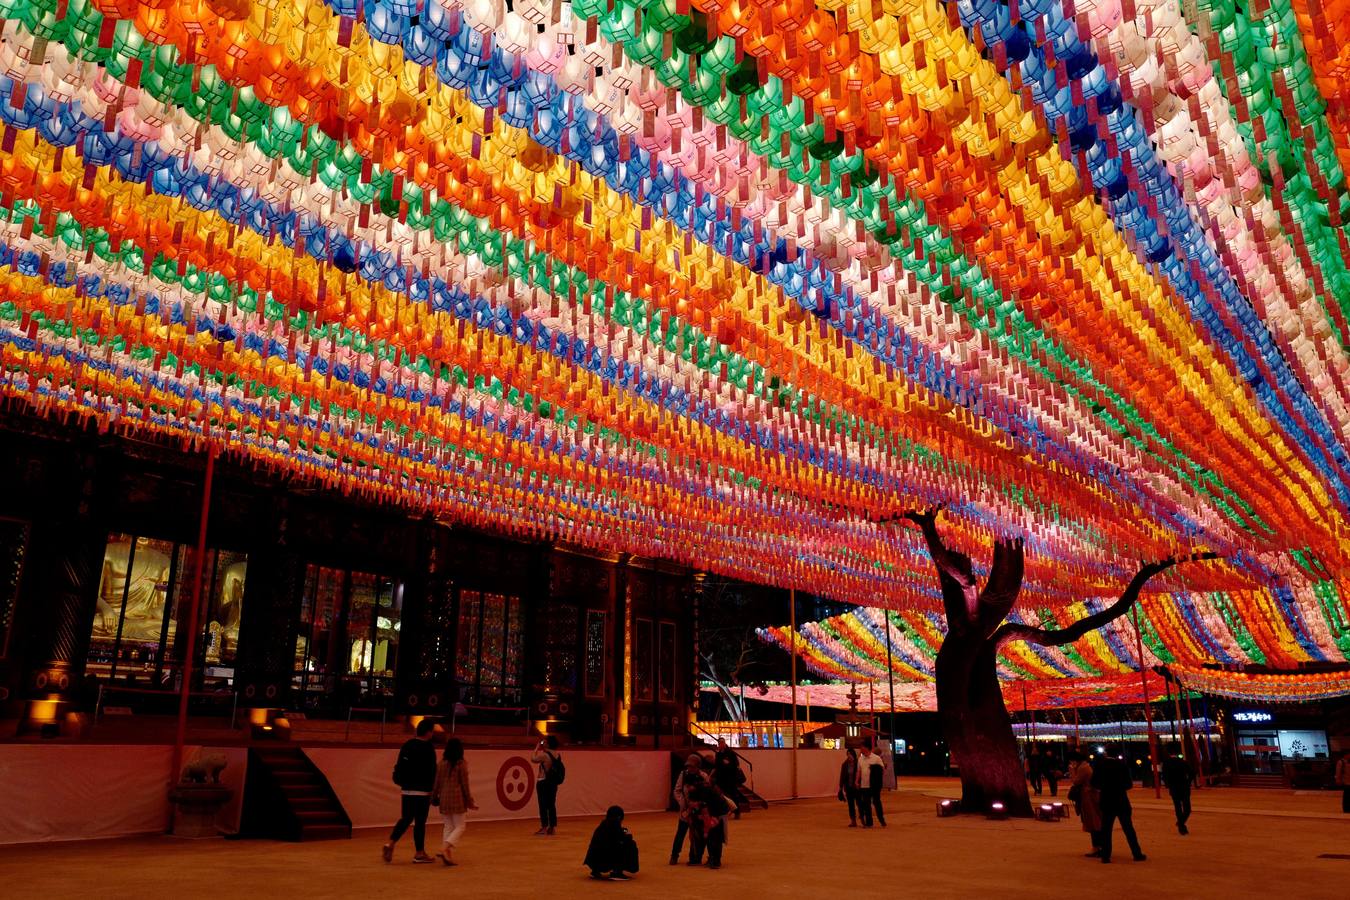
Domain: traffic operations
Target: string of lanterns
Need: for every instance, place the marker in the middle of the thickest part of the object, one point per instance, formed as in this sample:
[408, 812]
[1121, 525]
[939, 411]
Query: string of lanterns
[1182, 630]
[731, 284]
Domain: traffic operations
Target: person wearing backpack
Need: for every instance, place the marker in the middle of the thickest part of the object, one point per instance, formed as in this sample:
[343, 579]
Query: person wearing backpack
[415, 774]
[551, 774]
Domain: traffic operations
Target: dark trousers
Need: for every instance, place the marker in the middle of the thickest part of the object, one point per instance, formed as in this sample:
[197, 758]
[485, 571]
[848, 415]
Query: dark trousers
[1111, 811]
[1345, 800]
[875, 795]
[548, 804]
[854, 801]
[1035, 779]
[1181, 802]
[681, 829]
[414, 812]
[711, 841]
[1054, 784]
[869, 798]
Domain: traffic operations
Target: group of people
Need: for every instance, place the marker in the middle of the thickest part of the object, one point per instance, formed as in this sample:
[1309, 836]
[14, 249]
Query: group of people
[423, 782]
[706, 800]
[1100, 788]
[704, 809]
[861, 778]
[1043, 769]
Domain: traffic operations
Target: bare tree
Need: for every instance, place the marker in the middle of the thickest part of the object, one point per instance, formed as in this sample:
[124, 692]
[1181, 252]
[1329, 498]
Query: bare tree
[975, 721]
[735, 652]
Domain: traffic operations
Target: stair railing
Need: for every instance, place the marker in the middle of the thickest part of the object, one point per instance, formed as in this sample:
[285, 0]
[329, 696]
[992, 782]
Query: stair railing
[745, 762]
[384, 717]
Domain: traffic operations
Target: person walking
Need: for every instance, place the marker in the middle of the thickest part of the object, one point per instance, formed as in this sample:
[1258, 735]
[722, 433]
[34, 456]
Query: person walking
[708, 831]
[690, 779]
[452, 796]
[871, 778]
[728, 776]
[848, 785]
[1178, 775]
[612, 853]
[1111, 777]
[1085, 799]
[1034, 763]
[415, 774]
[1343, 779]
[550, 776]
[1050, 769]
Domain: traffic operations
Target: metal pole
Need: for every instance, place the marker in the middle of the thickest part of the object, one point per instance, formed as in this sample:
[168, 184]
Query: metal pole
[890, 677]
[792, 629]
[1148, 707]
[1195, 745]
[1176, 714]
[194, 604]
[1209, 743]
[1167, 703]
[1026, 726]
[1075, 724]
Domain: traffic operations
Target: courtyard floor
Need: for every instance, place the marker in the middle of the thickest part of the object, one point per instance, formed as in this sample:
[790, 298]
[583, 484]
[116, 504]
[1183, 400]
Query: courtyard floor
[1243, 843]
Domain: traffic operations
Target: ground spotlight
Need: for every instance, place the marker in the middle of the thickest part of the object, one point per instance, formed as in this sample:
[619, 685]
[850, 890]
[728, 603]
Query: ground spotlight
[947, 808]
[1061, 811]
[1046, 812]
[997, 811]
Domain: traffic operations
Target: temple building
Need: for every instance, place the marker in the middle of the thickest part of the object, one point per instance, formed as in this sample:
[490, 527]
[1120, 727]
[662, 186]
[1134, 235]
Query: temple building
[313, 602]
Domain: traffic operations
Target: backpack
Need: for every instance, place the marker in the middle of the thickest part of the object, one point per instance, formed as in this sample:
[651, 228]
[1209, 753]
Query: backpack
[557, 772]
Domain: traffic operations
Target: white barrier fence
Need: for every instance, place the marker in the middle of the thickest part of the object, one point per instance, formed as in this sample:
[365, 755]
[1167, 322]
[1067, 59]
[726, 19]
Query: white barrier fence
[59, 792]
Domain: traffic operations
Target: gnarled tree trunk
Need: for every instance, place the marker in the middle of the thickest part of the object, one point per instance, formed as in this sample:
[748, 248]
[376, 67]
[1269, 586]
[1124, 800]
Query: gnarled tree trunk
[977, 727]
[975, 721]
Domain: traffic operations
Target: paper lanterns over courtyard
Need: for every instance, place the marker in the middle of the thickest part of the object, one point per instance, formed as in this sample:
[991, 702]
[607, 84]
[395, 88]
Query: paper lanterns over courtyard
[731, 284]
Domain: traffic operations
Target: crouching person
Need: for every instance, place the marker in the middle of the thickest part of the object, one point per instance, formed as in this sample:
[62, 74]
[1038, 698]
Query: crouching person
[613, 853]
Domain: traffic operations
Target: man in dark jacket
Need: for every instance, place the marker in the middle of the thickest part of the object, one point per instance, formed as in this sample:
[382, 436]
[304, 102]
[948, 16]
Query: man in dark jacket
[415, 774]
[727, 775]
[1111, 778]
[1177, 775]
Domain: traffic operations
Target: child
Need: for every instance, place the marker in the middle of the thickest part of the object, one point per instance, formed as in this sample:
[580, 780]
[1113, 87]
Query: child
[613, 850]
[709, 825]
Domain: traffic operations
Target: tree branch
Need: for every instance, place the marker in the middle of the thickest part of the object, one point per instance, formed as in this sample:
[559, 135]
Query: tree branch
[1058, 637]
[1004, 584]
[955, 573]
[952, 563]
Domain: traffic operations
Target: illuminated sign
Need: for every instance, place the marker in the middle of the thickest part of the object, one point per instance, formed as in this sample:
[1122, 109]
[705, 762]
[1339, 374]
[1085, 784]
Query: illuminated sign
[1253, 716]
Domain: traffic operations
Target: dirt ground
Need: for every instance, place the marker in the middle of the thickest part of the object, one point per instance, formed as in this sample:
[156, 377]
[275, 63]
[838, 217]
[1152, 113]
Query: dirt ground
[1243, 843]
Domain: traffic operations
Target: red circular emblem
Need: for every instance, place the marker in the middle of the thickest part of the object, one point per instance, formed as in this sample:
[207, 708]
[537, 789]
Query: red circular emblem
[515, 783]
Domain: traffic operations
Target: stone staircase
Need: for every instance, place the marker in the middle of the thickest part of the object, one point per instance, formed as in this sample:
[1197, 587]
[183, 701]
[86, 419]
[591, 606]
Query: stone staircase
[287, 798]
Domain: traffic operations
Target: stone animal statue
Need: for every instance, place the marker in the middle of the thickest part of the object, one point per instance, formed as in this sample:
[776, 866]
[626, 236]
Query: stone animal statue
[202, 765]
